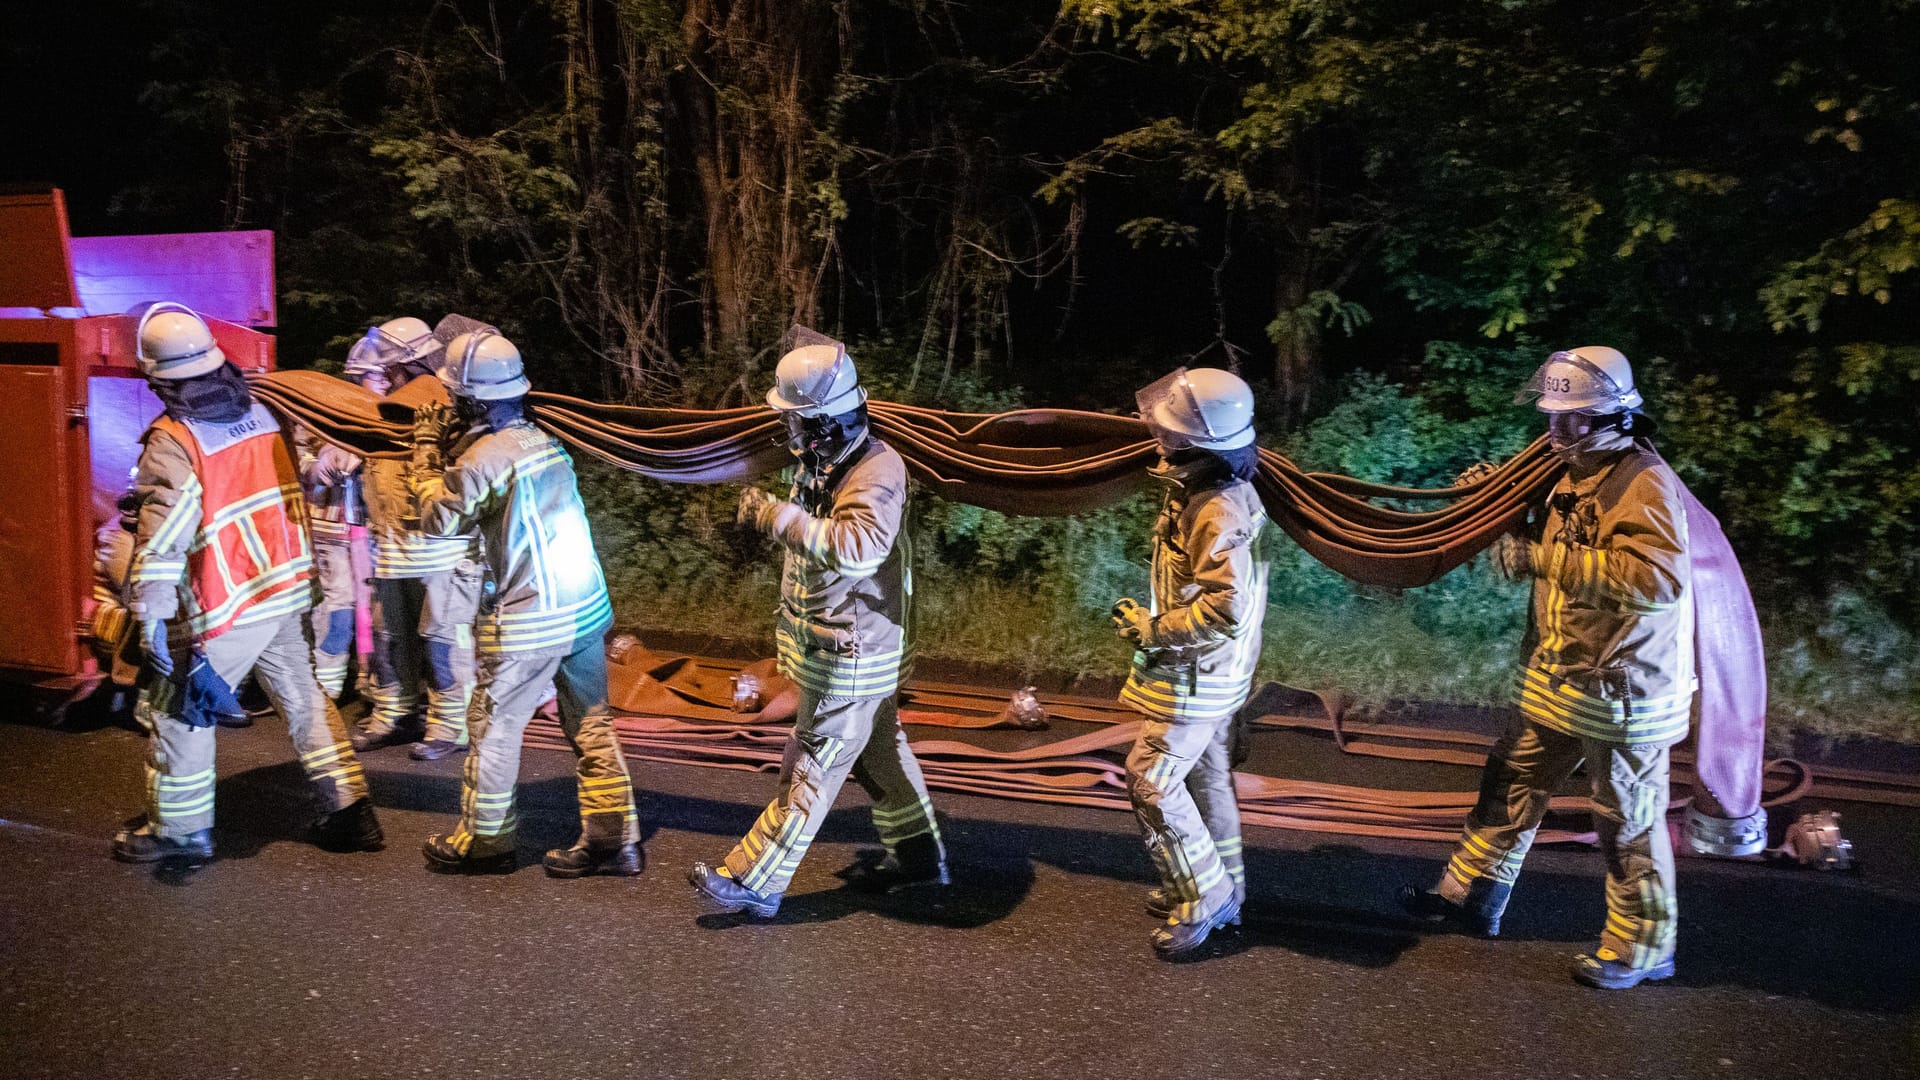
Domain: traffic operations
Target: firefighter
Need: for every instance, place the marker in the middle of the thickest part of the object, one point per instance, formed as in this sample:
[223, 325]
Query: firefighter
[221, 532]
[1608, 676]
[110, 628]
[330, 477]
[514, 483]
[426, 589]
[846, 595]
[1195, 648]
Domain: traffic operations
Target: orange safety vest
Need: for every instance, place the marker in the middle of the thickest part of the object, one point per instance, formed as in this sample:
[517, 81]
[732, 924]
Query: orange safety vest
[250, 558]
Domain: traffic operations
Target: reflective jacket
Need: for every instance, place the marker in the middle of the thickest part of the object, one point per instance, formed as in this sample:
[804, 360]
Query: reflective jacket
[516, 485]
[846, 583]
[220, 507]
[400, 548]
[1610, 633]
[1209, 602]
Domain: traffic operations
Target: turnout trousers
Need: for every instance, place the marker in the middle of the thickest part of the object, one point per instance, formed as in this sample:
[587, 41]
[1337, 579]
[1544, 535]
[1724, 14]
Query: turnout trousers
[1629, 812]
[1180, 781]
[511, 686]
[423, 646]
[279, 655]
[334, 616]
[832, 739]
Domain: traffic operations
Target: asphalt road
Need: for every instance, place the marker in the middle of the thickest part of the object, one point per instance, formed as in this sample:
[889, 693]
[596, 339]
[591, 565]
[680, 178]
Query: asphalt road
[284, 961]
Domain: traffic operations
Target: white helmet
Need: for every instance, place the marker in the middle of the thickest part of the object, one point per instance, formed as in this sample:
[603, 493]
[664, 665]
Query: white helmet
[175, 343]
[1590, 379]
[395, 341]
[1205, 407]
[816, 379]
[484, 366]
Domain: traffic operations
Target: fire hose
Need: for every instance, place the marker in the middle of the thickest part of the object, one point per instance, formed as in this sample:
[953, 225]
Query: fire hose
[1056, 462]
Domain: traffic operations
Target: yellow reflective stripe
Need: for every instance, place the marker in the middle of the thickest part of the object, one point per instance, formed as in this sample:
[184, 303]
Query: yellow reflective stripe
[1566, 708]
[250, 538]
[284, 496]
[158, 570]
[1207, 697]
[181, 519]
[525, 631]
[496, 828]
[417, 554]
[326, 754]
[244, 594]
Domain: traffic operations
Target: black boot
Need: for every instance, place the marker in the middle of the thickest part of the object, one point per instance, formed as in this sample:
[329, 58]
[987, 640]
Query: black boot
[1479, 916]
[627, 860]
[444, 858]
[913, 862]
[1160, 907]
[138, 844]
[364, 741]
[435, 749]
[1611, 973]
[731, 896]
[1176, 938]
[353, 827]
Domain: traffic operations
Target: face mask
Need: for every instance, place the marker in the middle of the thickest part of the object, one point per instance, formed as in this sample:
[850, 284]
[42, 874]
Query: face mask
[220, 396]
[1567, 430]
[1182, 468]
[821, 442]
[375, 383]
[1574, 437]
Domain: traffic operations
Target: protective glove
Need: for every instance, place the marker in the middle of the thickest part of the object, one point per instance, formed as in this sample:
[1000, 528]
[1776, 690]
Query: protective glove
[430, 423]
[332, 465]
[1513, 557]
[153, 645]
[1474, 473]
[757, 509]
[1134, 623]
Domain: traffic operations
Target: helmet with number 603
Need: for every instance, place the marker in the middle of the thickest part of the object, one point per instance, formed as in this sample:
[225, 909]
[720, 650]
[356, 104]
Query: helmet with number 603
[1202, 407]
[484, 366]
[1590, 379]
[396, 341]
[174, 342]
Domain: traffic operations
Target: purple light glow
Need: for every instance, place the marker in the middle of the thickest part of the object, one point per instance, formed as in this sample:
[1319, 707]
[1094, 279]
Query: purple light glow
[227, 275]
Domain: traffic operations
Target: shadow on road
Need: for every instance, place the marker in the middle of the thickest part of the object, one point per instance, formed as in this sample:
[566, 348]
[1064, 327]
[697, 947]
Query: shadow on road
[1836, 941]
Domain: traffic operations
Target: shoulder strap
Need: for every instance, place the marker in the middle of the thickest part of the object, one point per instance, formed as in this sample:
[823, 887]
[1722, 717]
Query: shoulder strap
[1626, 471]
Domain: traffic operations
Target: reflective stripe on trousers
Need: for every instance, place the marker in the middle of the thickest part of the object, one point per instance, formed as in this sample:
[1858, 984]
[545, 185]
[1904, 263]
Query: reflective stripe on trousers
[511, 686]
[179, 773]
[832, 739]
[423, 645]
[1180, 780]
[1523, 771]
[333, 568]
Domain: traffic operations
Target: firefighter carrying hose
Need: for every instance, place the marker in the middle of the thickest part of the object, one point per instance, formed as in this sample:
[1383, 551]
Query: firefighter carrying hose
[1608, 677]
[514, 483]
[426, 588]
[331, 478]
[846, 594]
[221, 534]
[1196, 647]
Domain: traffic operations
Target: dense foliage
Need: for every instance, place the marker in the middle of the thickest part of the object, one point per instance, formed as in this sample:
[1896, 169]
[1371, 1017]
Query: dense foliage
[1383, 212]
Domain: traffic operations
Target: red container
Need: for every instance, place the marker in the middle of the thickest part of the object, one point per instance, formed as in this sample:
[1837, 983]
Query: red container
[73, 407]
